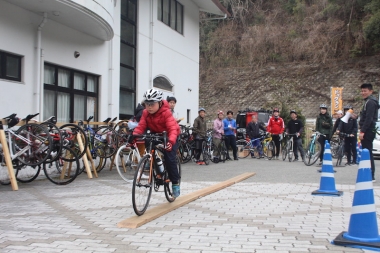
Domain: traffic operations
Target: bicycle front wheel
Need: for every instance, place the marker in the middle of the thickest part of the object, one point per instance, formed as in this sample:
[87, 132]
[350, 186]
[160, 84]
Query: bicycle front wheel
[142, 186]
[126, 163]
[243, 148]
[107, 142]
[205, 153]
[284, 153]
[223, 152]
[340, 154]
[26, 174]
[270, 150]
[312, 153]
[63, 171]
[168, 183]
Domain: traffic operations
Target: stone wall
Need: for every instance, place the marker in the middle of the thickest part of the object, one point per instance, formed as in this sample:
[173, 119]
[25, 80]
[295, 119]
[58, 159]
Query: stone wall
[299, 86]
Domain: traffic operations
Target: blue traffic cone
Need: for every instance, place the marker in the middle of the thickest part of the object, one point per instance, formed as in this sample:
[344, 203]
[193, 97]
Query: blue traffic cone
[327, 183]
[362, 231]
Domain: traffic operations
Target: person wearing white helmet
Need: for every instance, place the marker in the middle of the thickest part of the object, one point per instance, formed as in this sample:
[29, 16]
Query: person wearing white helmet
[324, 125]
[157, 117]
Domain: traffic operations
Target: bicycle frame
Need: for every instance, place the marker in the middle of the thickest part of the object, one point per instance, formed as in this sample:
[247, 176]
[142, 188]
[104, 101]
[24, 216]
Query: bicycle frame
[9, 134]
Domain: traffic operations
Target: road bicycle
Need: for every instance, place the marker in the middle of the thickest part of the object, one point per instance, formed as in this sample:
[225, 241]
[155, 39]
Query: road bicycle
[341, 149]
[287, 150]
[268, 146]
[313, 150]
[246, 147]
[334, 145]
[222, 150]
[151, 173]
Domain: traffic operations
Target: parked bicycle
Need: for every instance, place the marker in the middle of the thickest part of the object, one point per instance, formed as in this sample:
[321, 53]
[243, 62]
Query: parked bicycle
[268, 146]
[341, 149]
[313, 150]
[246, 147]
[287, 150]
[151, 173]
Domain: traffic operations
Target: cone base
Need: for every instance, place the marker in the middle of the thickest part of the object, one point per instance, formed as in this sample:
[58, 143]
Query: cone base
[341, 241]
[326, 193]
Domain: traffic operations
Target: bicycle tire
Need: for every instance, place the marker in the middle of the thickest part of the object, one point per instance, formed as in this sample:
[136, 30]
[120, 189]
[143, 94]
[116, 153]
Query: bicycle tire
[168, 183]
[312, 153]
[55, 172]
[99, 163]
[40, 144]
[108, 142]
[26, 174]
[244, 150]
[205, 153]
[142, 186]
[340, 154]
[284, 153]
[223, 151]
[270, 150]
[130, 163]
[264, 146]
[74, 132]
[57, 140]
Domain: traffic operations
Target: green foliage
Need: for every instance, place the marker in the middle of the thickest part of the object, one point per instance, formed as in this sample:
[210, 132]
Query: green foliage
[372, 27]
[330, 10]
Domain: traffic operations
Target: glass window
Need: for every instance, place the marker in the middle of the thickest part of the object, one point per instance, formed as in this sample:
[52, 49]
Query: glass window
[49, 74]
[162, 83]
[79, 107]
[170, 12]
[179, 18]
[127, 78]
[10, 66]
[159, 10]
[124, 10]
[165, 13]
[127, 102]
[63, 107]
[64, 78]
[79, 81]
[131, 11]
[92, 84]
[127, 33]
[173, 13]
[49, 103]
[91, 107]
[127, 55]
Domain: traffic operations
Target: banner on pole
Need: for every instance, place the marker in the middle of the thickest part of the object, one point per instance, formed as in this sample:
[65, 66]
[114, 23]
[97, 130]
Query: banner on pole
[336, 99]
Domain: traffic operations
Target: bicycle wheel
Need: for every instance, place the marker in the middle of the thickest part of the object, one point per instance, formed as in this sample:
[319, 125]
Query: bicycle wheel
[290, 151]
[107, 141]
[340, 154]
[284, 152]
[142, 186]
[334, 146]
[187, 152]
[35, 144]
[99, 163]
[243, 148]
[312, 153]
[126, 158]
[26, 174]
[270, 150]
[205, 153]
[264, 145]
[63, 171]
[223, 152]
[168, 183]
[70, 134]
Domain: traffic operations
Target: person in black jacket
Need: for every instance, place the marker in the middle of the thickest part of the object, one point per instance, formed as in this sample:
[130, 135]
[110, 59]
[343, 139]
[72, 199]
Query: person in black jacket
[253, 131]
[350, 142]
[337, 121]
[295, 126]
[367, 122]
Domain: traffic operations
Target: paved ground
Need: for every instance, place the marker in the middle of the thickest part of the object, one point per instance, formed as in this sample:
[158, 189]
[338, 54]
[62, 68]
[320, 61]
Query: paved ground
[273, 211]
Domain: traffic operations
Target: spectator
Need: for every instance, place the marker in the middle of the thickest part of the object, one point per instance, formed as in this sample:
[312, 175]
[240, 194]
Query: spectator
[217, 135]
[172, 103]
[295, 127]
[229, 125]
[324, 126]
[350, 142]
[367, 122]
[276, 128]
[199, 129]
[253, 131]
[339, 115]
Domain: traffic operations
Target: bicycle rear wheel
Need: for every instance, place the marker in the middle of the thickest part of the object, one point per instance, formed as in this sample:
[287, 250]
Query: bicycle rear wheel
[340, 154]
[108, 142]
[312, 153]
[26, 174]
[70, 134]
[168, 183]
[142, 186]
[243, 148]
[284, 152]
[205, 153]
[63, 171]
[270, 150]
[223, 152]
[36, 144]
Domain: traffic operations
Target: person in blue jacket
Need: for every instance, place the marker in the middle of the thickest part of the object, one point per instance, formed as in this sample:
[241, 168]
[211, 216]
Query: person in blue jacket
[229, 125]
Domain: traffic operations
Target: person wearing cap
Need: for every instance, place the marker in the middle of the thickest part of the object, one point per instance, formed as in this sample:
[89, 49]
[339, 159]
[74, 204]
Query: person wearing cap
[350, 141]
[295, 126]
[323, 125]
[218, 131]
[172, 102]
[339, 115]
[253, 130]
[199, 130]
[229, 125]
[367, 122]
[276, 127]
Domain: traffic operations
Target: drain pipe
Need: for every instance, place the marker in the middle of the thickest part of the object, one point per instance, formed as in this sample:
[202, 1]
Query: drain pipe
[110, 78]
[151, 34]
[39, 87]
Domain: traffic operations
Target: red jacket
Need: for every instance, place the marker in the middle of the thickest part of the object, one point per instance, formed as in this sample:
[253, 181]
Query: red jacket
[158, 122]
[276, 126]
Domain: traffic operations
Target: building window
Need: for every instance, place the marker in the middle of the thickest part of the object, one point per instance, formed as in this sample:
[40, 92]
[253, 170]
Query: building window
[128, 28]
[162, 83]
[10, 66]
[170, 12]
[70, 95]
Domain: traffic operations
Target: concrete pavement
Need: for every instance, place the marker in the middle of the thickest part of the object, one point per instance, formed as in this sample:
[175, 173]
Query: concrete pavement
[272, 211]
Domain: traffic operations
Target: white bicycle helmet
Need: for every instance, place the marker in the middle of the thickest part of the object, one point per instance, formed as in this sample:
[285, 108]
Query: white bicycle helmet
[323, 106]
[153, 95]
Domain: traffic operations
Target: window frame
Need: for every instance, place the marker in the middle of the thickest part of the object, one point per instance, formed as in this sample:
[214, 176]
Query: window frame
[160, 16]
[72, 91]
[3, 66]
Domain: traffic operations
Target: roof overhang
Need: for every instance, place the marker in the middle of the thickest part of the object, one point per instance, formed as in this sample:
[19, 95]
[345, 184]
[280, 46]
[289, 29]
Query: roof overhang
[212, 6]
[70, 14]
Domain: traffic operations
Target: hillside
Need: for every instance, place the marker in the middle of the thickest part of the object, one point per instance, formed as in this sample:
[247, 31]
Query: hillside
[276, 51]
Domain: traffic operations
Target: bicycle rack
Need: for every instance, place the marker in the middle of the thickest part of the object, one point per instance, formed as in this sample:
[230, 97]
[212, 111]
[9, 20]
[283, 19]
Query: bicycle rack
[7, 157]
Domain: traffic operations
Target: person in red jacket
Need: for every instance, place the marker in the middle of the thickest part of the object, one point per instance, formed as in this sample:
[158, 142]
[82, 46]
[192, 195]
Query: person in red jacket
[157, 117]
[276, 127]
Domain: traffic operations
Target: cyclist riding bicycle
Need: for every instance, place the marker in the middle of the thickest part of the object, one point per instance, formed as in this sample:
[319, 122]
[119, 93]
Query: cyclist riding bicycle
[253, 131]
[157, 117]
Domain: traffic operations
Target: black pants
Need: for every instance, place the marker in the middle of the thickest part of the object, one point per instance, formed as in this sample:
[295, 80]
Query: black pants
[171, 164]
[198, 148]
[350, 148]
[369, 136]
[322, 140]
[231, 141]
[277, 143]
[297, 146]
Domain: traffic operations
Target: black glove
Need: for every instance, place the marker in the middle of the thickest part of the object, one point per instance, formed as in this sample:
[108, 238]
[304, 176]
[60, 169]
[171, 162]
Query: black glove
[130, 139]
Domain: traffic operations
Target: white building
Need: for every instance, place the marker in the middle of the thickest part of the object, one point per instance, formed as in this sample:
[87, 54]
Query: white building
[78, 58]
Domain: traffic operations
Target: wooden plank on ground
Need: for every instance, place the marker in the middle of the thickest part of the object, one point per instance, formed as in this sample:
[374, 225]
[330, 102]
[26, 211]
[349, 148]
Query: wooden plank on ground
[158, 211]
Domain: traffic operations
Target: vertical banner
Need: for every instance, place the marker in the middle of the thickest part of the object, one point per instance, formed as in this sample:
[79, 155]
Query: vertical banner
[336, 99]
